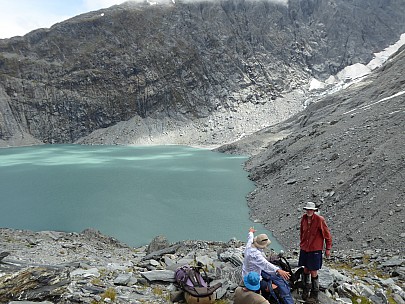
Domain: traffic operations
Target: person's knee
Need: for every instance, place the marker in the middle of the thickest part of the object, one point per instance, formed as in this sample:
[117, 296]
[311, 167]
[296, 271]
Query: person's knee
[314, 273]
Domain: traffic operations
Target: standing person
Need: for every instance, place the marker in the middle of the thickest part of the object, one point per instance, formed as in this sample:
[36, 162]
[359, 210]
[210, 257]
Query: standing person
[314, 237]
[255, 261]
[248, 292]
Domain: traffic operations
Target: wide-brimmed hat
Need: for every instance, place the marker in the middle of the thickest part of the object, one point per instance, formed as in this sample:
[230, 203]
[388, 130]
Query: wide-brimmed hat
[310, 206]
[252, 281]
[261, 241]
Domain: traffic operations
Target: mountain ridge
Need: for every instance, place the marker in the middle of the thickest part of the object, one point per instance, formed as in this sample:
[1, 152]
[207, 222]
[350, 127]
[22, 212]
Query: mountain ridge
[179, 63]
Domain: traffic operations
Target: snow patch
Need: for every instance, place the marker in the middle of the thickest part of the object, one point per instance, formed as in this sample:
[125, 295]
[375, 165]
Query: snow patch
[352, 72]
[357, 71]
[381, 57]
[367, 106]
[315, 84]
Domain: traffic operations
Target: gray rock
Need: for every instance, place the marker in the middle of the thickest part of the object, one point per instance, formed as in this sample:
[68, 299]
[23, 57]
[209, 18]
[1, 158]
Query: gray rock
[159, 275]
[158, 243]
[95, 290]
[123, 279]
[344, 300]
[395, 261]
[325, 278]
[346, 290]
[398, 299]
[33, 284]
[235, 258]
[154, 263]
[29, 302]
[168, 261]
[85, 273]
[3, 255]
[338, 276]
[204, 259]
[182, 262]
[157, 254]
[387, 282]
[365, 291]
[378, 300]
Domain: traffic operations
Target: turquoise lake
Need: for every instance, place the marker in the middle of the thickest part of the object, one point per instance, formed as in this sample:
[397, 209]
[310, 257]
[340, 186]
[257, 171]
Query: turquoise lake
[129, 192]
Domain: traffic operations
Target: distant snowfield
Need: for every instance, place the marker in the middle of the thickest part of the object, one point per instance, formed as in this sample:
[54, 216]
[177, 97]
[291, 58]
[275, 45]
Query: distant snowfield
[357, 71]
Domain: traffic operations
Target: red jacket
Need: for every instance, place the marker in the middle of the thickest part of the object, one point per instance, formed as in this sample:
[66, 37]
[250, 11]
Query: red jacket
[313, 237]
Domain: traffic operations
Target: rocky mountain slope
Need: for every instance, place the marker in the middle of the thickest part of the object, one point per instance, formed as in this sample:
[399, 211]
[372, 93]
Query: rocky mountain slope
[345, 152]
[88, 267]
[148, 71]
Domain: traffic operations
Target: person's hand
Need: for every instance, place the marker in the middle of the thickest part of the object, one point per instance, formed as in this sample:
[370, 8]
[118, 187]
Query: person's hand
[284, 274]
[252, 229]
[327, 253]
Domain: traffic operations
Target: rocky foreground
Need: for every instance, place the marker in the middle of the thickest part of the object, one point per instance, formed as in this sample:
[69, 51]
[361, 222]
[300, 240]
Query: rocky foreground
[88, 267]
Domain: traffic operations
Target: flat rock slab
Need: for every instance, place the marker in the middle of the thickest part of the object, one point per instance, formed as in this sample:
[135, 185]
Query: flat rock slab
[159, 275]
[3, 255]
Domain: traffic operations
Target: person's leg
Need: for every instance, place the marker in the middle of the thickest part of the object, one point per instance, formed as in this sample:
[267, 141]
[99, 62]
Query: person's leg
[306, 284]
[264, 289]
[315, 285]
[316, 264]
[269, 292]
[306, 280]
[281, 291]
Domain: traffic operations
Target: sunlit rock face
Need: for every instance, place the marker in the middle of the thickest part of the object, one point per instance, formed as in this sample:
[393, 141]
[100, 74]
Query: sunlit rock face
[172, 63]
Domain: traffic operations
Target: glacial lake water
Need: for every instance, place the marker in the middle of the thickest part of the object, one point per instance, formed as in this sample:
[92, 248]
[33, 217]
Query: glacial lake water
[130, 193]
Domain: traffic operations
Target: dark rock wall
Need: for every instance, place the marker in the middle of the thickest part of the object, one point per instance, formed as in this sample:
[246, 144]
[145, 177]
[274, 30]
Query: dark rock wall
[335, 34]
[182, 61]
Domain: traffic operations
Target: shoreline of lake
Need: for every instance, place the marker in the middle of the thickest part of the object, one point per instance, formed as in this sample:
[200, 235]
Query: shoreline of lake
[208, 187]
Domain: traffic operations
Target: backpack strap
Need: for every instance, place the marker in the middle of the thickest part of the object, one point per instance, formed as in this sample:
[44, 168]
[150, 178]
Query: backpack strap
[194, 278]
[286, 265]
[185, 269]
[202, 277]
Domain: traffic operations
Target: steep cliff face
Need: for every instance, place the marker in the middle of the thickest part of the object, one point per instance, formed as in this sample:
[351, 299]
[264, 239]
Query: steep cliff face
[179, 62]
[346, 153]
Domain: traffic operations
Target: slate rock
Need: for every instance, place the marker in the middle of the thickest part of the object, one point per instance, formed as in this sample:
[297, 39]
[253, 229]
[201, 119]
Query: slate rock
[158, 243]
[159, 275]
[123, 279]
[3, 255]
[34, 283]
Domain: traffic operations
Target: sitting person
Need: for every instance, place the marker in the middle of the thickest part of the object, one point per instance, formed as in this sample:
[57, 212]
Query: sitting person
[247, 294]
[254, 260]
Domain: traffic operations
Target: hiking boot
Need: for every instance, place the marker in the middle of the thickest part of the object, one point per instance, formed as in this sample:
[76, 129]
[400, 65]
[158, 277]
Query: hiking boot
[306, 287]
[313, 298]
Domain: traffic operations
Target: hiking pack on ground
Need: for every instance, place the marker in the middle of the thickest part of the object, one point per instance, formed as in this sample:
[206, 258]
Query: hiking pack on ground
[194, 281]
